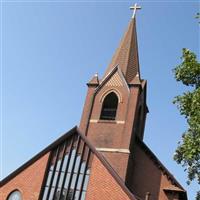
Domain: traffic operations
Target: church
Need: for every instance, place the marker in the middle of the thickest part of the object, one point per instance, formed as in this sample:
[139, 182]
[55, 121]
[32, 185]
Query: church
[105, 157]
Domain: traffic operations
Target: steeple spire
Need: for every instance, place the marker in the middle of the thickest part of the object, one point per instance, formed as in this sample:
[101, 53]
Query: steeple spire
[126, 55]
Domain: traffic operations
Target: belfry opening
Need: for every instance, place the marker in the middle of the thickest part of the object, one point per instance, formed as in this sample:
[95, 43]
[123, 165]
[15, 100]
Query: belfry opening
[109, 107]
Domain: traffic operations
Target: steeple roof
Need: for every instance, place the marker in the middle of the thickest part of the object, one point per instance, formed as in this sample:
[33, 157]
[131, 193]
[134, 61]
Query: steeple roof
[94, 81]
[126, 55]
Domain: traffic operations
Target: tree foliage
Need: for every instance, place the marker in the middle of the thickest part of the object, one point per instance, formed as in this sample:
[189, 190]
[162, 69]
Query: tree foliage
[188, 150]
[198, 16]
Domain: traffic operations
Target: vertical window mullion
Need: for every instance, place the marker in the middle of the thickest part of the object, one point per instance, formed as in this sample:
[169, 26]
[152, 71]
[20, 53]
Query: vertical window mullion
[67, 166]
[46, 175]
[60, 168]
[67, 171]
[78, 172]
[53, 173]
[85, 170]
[73, 166]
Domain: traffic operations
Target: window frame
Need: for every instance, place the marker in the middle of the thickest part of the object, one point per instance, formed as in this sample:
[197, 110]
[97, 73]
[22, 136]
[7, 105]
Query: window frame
[112, 111]
[12, 192]
[74, 149]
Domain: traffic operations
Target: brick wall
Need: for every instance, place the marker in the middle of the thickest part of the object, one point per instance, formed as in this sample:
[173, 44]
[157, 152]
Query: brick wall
[28, 182]
[146, 177]
[111, 133]
[166, 183]
[102, 186]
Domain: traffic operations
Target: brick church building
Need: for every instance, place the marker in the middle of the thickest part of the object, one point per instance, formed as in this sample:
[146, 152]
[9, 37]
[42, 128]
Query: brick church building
[105, 158]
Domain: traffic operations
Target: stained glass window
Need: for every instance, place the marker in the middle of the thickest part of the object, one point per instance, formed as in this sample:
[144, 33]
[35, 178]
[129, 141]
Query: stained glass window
[68, 171]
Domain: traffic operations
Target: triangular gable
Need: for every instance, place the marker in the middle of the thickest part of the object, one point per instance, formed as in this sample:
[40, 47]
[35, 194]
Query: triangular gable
[71, 144]
[70, 162]
[114, 79]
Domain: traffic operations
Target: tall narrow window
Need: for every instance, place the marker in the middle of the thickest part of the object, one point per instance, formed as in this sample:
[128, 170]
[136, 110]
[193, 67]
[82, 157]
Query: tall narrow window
[109, 107]
[68, 171]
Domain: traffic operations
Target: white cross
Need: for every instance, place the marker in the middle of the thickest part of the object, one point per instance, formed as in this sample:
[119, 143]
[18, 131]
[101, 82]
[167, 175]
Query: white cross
[134, 8]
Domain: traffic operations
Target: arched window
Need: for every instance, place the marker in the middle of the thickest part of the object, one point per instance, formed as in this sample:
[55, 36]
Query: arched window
[15, 195]
[109, 107]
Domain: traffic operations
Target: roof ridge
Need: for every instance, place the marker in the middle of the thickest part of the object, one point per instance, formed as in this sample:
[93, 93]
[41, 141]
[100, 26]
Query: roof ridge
[38, 156]
[108, 167]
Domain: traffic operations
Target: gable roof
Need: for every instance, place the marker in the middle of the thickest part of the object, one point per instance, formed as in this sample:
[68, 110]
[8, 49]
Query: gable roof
[115, 70]
[60, 140]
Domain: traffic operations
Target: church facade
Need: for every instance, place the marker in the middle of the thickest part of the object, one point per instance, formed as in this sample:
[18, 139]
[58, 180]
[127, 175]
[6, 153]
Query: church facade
[104, 158]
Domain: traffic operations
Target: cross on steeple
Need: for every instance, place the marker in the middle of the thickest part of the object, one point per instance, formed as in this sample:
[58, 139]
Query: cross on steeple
[134, 8]
[126, 55]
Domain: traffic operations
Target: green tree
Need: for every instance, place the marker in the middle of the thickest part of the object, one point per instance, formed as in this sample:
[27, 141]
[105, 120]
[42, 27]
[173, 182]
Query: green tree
[188, 150]
[198, 16]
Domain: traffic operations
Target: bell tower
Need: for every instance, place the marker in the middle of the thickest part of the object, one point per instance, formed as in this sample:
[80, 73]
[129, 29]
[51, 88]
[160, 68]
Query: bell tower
[115, 107]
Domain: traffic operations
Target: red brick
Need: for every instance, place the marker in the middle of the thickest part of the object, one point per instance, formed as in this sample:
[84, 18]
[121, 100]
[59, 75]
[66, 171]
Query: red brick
[28, 182]
[102, 185]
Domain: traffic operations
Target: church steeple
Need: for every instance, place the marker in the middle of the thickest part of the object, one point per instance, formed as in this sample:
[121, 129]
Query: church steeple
[126, 55]
[115, 107]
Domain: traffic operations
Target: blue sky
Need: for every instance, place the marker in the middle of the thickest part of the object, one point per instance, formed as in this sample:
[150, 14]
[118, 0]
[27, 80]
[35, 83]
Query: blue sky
[50, 49]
